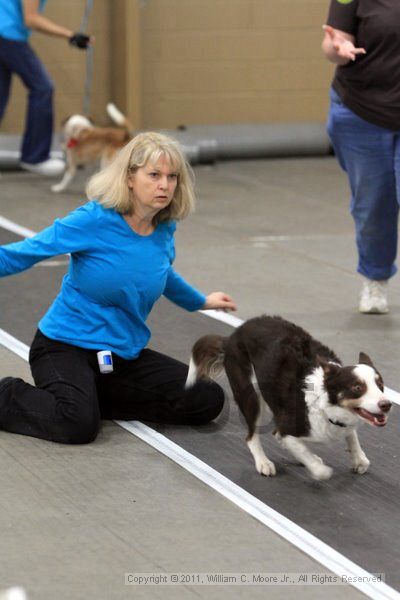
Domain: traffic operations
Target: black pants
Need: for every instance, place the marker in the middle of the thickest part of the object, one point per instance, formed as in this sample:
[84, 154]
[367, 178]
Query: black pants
[71, 395]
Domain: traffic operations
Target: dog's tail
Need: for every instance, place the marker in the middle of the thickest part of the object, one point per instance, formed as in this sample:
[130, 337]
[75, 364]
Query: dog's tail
[207, 360]
[118, 117]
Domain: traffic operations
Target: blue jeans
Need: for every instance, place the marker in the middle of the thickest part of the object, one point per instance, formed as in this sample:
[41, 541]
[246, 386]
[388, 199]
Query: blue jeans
[19, 58]
[370, 155]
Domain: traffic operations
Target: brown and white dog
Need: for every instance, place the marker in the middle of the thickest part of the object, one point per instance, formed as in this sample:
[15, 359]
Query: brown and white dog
[86, 144]
[313, 398]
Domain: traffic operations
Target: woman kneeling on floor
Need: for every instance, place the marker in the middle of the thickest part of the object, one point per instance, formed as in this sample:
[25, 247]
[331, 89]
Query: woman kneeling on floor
[122, 249]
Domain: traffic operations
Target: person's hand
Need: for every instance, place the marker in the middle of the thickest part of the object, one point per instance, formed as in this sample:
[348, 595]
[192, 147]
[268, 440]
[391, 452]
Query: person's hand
[343, 47]
[219, 300]
[81, 40]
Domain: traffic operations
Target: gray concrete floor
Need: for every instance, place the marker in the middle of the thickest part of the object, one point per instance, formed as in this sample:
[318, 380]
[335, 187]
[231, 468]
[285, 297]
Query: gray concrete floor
[74, 520]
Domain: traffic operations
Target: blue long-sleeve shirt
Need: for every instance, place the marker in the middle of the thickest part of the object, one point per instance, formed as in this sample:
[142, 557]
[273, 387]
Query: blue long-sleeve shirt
[12, 25]
[114, 278]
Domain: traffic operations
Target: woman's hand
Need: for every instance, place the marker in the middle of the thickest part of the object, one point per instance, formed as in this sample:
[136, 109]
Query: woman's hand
[219, 300]
[81, 40]
[339, 46]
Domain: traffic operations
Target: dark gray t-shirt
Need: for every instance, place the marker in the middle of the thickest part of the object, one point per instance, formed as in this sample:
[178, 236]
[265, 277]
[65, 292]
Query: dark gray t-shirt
[370, 86]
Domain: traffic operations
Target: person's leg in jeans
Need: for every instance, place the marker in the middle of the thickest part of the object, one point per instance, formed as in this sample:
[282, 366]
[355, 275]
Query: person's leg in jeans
[151, 388]
[367, 154]
[5, 82]
[63, 407]
[397, 167]
[19, 58]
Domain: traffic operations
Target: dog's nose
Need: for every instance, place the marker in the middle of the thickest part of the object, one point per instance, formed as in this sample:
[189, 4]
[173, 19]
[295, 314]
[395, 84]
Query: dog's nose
[385, 405]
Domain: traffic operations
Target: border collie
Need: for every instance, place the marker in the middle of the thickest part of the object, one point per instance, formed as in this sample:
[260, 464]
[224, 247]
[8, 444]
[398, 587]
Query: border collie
[86, 144]
[312, 396]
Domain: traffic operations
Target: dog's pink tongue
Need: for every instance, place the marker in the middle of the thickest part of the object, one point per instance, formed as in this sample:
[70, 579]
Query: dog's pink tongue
[377, 420]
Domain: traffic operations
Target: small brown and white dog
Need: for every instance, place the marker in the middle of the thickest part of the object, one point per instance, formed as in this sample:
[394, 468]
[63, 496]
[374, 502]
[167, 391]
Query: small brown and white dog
[86, 144]
[313, 398]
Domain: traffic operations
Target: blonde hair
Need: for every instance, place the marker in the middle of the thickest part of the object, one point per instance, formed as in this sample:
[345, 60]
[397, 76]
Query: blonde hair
[110, 185]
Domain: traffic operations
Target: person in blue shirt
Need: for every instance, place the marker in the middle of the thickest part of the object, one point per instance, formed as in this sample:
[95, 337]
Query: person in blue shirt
[121, 246]
[17, 18]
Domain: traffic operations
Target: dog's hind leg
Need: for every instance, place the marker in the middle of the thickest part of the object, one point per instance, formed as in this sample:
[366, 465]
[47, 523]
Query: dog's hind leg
[251, 406]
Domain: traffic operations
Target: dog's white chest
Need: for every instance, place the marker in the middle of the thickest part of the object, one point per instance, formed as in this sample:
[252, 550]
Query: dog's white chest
[321, 428]
[327, 422]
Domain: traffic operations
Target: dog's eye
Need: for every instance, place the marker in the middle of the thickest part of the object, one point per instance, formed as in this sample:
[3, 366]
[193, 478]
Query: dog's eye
[357, 388]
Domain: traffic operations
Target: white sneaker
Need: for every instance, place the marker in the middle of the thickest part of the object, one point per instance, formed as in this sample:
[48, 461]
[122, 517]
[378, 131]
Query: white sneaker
[52, 167]
[373, 297]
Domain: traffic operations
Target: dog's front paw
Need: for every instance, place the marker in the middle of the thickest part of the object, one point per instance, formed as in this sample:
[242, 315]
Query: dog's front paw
[321, 472]
[57, 188]
[266, 467]
[361, 464]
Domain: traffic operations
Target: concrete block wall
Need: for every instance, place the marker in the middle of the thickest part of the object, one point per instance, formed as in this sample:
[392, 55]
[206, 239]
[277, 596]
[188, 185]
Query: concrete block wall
[229, 61]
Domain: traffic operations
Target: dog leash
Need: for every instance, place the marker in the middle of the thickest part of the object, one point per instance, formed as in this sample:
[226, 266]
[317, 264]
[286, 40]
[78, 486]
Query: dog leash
[88, 81]
[86, 16]
[89, 59]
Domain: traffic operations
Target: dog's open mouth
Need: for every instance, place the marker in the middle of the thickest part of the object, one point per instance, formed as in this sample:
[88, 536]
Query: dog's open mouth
[379, 420]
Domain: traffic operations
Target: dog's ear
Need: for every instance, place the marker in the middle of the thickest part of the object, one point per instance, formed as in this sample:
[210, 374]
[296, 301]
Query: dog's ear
[65, 120]
[328, 367]
[364, 359]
